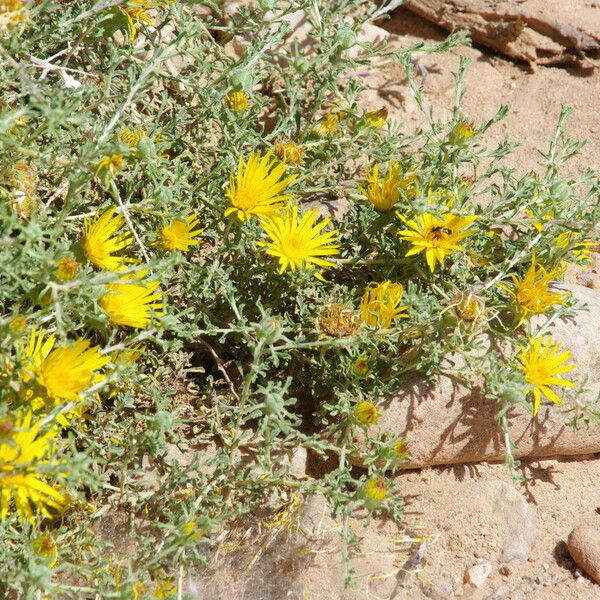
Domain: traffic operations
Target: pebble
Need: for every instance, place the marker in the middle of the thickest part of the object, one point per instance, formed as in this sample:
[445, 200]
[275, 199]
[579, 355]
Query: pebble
[584, 546]
[477, 574]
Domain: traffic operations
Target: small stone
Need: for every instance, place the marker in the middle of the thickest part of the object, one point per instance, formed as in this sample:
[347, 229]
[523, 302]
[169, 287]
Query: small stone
[477, 574]
[298, 463]
[500, 593]
[504, 570]
[459, 591]
[584, 546]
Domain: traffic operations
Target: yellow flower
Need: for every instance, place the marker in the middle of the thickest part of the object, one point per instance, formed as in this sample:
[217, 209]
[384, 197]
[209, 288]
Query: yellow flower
[366, 412]
[462, 131]
[130, 302]
[23, 182]
[289, 152]
[17, 324]
[237, 101]
[377, 118]
[179, 234]
[532, 293]
[109, 163]
[375, 490]
[257, 188]
[381, 304]
[66, 269]
[441, 198]
[400, 450]
[383, 194]
[19, 480]
[136, 12]
[191, 530]
[539, 225]
[468, 307]
[329, 123]
[582, 249]
[12, 12]
[360, 367]
[338, 320]
[64, 371]
[542, 363]
[101, 240]
[299, 243]
[165, 588]
[45, 546]
[132, 137]
[437, 237]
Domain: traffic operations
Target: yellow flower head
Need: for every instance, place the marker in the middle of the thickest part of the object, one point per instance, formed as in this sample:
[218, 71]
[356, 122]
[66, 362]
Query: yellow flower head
[23, 181]
[20, 454]
[257, 188]
[381, 304]
[377, 118]
[384, 193]
[191, 530]
[582, 249]
[400, 450]
[542, 364]
[130, 302]
[165, 588]
[532, 293]
[136, 13]
[298, 242]
[109, 164]
[18, 324]
[360, 367]
[289, 152]
[437, 237]
[66, 269]
[375, 490]
[45, 546]
[338, 320]
[237, 101]
[64, 371]
[468, 307]
[12, 12]
[462, 131]
[101, 240]
[329, 123]
[179, 234]
[133, 136]
[366, 413]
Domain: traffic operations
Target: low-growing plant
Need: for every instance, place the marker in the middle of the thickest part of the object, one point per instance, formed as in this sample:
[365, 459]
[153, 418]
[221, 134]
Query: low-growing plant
[211, 257]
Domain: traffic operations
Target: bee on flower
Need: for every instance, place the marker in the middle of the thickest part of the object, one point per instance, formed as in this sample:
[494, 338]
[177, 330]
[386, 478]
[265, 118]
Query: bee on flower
[257, 189]
[382, 304]
[297, 242]
[543, 364]
[436, 237]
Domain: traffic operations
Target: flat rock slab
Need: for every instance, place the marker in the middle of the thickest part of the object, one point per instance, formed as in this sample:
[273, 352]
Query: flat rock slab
[449, 423]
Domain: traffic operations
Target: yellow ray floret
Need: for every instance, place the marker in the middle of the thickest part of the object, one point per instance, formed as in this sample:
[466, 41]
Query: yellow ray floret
[102, 239]
[180, 234]
[531, 292]
[381, 304]
[21, 451]
[436, 237]
[64, 371]
[131, 302]
[542, 364]
[258, 186]
[297, 241]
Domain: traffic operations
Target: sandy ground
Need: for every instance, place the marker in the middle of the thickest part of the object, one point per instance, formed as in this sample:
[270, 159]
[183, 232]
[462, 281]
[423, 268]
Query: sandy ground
[459, 530]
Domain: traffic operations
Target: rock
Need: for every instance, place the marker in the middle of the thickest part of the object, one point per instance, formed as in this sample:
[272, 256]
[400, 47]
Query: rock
[499, 593]
[477, 574]
[315, 519]
[448, 422]
[519, 517]
[298, 463]
[584, 546]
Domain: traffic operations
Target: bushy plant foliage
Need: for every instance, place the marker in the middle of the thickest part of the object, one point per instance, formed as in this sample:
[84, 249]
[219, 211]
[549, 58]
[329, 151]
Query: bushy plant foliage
[211, 256]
